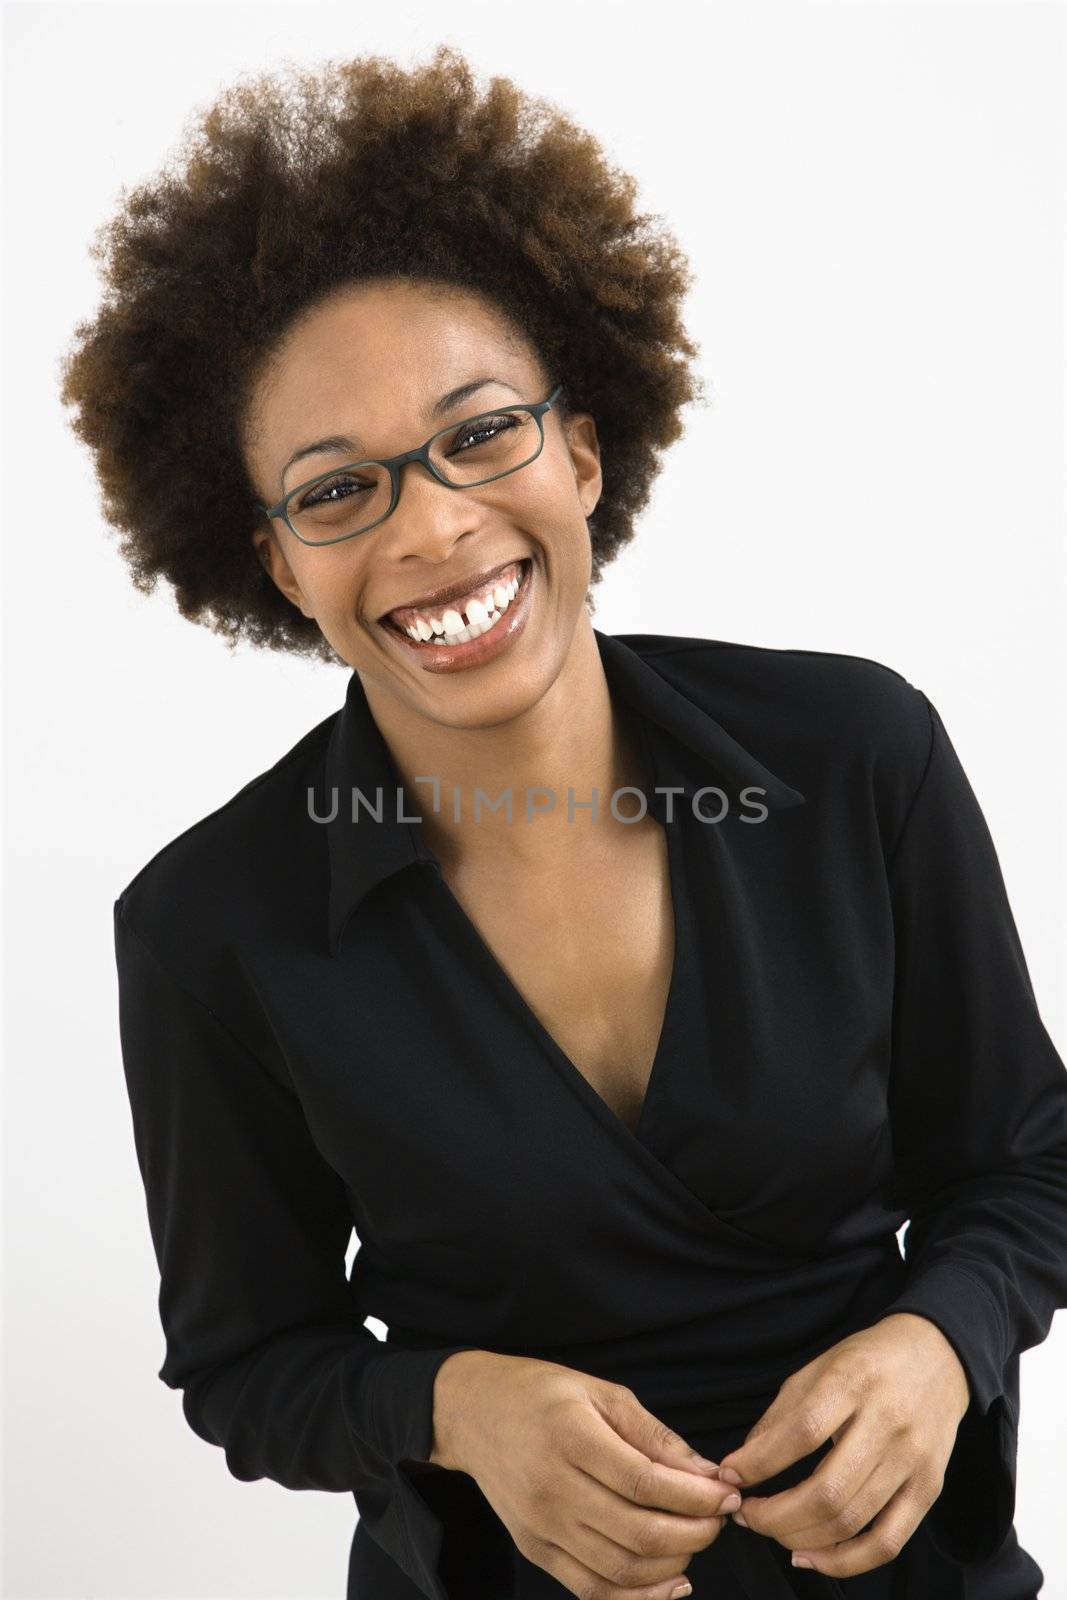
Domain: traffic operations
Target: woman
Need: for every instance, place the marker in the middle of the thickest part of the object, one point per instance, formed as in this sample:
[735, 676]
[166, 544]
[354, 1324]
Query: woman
[711, 985]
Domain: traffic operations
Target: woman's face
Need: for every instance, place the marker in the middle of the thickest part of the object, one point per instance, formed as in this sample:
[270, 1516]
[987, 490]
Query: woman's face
[371, 362]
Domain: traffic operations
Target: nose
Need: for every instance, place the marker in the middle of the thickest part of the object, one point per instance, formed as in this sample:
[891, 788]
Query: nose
[429, 518]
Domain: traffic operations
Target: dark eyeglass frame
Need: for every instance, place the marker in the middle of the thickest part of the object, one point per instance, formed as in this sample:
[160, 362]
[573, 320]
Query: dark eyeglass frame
[393, 464]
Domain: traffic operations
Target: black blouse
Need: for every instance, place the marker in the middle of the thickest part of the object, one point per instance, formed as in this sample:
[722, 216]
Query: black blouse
[315, 1037]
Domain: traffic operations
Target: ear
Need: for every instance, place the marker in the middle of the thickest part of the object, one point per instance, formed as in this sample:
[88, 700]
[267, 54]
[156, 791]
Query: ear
[273, 560]
[584, 447]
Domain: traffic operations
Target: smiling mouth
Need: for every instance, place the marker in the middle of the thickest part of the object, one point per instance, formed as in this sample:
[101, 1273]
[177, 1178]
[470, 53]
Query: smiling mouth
[462, 622]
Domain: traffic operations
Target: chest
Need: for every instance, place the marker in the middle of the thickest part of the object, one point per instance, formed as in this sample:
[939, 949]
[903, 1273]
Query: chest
[589, 945]
[482, 1059]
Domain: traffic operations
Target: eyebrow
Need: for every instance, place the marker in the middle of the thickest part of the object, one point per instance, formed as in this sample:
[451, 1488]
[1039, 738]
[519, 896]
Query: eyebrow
[343, 441]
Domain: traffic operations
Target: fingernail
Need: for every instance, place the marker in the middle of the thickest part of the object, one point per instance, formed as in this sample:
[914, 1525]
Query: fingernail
[683, 1588]
[739, 1519]
[800, 1561]
[702, 1461]
[728, 1475]
[731, 1502]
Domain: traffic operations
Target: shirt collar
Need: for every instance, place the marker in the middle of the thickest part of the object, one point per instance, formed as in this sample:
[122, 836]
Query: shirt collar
[364, 853]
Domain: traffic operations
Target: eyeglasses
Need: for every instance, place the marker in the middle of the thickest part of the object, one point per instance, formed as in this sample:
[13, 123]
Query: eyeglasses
[347, 501]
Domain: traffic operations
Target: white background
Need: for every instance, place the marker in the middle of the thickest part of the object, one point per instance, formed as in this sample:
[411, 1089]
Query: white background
[872, 196]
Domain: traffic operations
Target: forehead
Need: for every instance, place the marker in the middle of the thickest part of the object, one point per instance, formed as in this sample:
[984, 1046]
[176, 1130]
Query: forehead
[374, 357]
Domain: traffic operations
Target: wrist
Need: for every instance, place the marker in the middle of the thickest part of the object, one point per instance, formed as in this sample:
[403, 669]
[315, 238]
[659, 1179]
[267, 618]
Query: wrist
[451, 1393]
[959, 1376]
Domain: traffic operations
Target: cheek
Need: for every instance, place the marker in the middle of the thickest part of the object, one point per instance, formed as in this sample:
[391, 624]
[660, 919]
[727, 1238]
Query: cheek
[550, 509]
[331, 583]
[543, 495]
[329, 592]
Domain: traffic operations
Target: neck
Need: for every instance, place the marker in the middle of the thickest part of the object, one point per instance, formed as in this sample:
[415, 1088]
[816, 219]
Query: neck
[574, 737]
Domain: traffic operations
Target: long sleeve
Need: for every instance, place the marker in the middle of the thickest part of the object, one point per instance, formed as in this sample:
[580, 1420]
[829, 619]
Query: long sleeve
[250, 1226]
[978, 1107]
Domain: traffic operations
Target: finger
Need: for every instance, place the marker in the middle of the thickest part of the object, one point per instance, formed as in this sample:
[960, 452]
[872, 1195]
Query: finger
[620, 1564]
[613, 1528]
[788, 1432]
[841, 1475]
[596, 1448]
[851, 1519]
[880, 1544]
[632, 1421]
[582, 1580]
[854, 1518]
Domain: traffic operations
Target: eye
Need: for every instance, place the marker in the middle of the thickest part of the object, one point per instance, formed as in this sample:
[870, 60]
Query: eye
[329, 492]
[487, 427]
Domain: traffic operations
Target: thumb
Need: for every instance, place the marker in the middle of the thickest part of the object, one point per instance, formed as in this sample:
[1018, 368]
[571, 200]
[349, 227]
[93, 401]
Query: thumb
[641, 1428]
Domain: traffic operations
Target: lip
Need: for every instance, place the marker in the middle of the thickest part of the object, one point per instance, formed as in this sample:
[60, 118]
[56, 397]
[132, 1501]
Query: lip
[439, 598]
[457, 657]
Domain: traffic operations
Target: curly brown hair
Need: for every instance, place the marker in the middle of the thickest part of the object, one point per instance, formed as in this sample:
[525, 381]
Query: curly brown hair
[300, 181]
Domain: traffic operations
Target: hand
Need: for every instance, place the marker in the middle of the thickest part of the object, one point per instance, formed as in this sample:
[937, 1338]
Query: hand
[591, 1486]
[891, 1398]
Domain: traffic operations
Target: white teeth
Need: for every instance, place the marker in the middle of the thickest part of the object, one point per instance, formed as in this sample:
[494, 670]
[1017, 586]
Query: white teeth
[482, 613]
